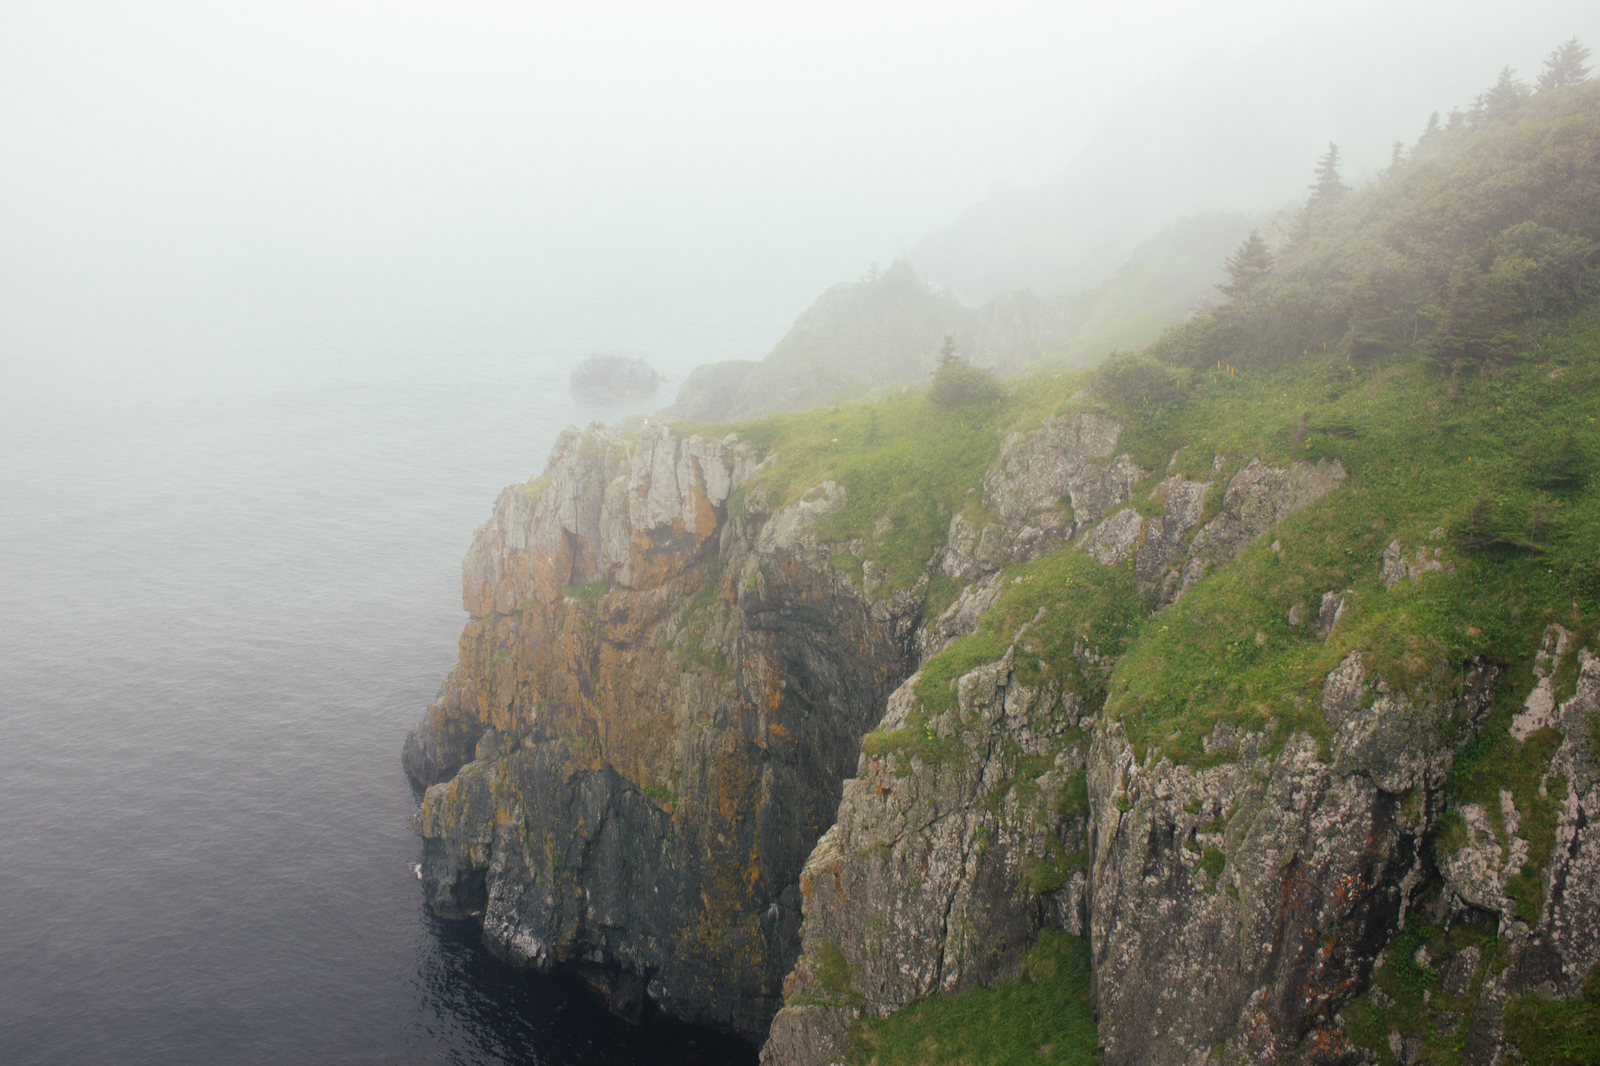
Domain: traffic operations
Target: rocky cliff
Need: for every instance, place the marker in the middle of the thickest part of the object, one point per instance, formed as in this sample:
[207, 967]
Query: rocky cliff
[1244, 689]
[662, 688]
[699, 749]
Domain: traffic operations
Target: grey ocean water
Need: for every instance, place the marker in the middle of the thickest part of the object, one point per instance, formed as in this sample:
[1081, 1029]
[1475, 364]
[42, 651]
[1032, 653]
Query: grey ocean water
[227, 594]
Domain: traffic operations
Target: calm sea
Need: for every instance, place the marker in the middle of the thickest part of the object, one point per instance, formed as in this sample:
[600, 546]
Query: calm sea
[227, 594]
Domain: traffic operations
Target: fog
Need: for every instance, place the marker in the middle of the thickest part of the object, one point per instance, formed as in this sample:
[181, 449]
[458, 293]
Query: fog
[289, 291]
[234, 186]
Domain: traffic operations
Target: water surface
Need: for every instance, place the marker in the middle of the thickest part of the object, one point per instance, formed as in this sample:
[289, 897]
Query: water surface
[228, 593]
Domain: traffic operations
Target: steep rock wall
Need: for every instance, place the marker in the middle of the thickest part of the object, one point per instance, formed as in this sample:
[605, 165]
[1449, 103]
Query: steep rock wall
[942, 867]
[1254, 953]
[655, 704]
[940, 870]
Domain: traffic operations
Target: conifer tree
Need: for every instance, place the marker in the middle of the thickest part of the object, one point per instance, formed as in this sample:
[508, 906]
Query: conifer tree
[1503, 98]
[1398, 157]
[1247, 266]
[1564, 66]
[1328, 188]
[955, 383]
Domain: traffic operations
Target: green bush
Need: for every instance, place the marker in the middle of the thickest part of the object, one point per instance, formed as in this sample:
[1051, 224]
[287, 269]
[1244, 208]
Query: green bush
[958, 384]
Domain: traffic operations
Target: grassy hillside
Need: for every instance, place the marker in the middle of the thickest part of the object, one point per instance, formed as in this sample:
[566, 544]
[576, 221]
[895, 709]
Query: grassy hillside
[1438, 333]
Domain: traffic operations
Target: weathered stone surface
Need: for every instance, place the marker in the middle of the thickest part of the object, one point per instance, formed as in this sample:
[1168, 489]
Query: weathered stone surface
[1070, 457]
[960, 618]
[1257, 498]
[1539, 709]
[1164, 538]
[1556, 956]
[937, 874]
[1394, 568]
[606, 508]
[1319, 855]
[971, 553]
[626, 781]
[1167, 561]
[638, 770]
[1115, 539]
[1046, 486]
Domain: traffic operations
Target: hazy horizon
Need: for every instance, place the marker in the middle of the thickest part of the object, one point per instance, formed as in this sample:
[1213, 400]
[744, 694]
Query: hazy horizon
[222, 189]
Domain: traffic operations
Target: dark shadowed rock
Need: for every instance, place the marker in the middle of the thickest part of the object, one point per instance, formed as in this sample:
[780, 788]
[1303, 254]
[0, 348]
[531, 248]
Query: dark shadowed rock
[660, 693]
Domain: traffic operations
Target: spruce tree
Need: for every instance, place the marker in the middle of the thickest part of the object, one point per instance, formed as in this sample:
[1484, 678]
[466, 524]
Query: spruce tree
[1328, 188]
[1247, 266]
[1503, 98]
[956, 384]
[1564, 66]
[1398, 157]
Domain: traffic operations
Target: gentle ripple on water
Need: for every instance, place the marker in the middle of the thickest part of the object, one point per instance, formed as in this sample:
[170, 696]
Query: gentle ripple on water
[223, 606]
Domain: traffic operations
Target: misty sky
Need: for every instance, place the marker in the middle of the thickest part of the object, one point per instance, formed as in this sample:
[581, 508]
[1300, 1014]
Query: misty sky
[219, 181]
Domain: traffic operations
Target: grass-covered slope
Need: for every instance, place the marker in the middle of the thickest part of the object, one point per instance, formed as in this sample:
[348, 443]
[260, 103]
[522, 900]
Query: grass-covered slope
[904, 458]
[1496, 476]
[1042, 1018]
[1438, 334]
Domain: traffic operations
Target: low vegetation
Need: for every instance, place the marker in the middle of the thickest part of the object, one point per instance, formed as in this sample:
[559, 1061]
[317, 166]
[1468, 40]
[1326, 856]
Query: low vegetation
[906, 463]
[1067, 602]
[1043, 1017]
[1438, 335]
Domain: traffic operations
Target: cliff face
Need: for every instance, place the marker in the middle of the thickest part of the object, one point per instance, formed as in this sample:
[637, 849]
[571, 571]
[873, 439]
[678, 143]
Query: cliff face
[689, 755]
[1317, 850]
[1248, 906]
[944, 864]
[656, 703]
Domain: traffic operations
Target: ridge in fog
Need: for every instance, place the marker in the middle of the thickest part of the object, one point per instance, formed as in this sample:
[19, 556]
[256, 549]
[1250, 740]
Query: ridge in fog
[881, 335]
[1238, 132]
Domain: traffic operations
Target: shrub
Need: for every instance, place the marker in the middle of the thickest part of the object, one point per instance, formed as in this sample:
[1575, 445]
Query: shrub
[958, 384]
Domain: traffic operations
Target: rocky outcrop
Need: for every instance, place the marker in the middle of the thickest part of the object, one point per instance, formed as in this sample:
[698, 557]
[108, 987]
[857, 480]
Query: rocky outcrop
[649, 767]
[614, 375]
[660, 691]
[1168, 560]
[1551, 955]
[1048, 484]
[1239, 906]
[955, 840]
[1063, 483]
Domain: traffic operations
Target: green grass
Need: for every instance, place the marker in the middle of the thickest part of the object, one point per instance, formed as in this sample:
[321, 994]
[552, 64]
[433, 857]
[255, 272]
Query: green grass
[1419, 459]
[660, 793]
[1043, 1017]
[1551, 1033]
[904, 458]
[833, 972]
[1074, 599]
[1416, 1004]
[590, 593]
